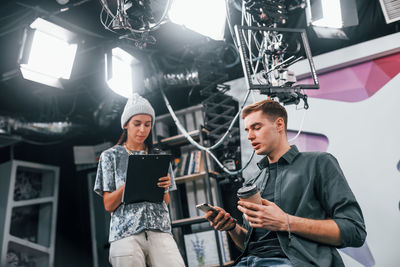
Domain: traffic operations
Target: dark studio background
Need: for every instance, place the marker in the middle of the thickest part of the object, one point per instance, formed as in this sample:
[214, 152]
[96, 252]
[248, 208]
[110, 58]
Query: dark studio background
[94, 110]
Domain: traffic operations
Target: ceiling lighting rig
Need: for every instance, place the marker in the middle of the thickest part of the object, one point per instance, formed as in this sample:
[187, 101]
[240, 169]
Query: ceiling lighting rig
[134, 19]
[268, 12]
[267, 50]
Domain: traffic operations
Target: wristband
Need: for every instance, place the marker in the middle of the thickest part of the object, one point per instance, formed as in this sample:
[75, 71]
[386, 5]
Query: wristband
[288, 226]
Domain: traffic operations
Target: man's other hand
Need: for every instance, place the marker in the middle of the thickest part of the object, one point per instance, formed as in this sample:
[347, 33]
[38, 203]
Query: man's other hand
[268, 215]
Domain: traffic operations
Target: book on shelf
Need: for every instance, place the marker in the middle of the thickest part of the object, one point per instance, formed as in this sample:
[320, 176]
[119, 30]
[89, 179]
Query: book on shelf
[192, 162]
[195, 162]
[198, 158]
[177, 166]
[210, 164]
[185, 164]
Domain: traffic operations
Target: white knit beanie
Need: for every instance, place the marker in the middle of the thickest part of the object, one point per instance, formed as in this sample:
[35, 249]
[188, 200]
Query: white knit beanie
[136, 105]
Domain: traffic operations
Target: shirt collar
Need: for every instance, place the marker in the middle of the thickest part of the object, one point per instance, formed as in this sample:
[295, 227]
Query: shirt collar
[263, 163]
[289, 156]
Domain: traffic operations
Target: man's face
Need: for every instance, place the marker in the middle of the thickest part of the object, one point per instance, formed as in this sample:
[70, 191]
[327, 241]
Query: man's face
[261, 132]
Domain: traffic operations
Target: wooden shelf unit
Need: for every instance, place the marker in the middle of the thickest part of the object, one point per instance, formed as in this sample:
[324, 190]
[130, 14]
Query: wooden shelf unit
[179, 139]
[192, 177]
[188, 221]
[193, 188]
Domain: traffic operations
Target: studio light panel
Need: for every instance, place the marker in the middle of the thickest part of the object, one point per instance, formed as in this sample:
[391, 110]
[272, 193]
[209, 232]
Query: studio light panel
[123, 72]
[47, 54]
[206, 17]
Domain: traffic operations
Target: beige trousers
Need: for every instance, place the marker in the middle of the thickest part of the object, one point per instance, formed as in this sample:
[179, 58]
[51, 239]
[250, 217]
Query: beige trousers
[157, 249]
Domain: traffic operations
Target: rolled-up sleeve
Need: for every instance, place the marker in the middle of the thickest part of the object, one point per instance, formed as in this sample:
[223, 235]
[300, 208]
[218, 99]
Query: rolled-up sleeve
[105, 181]
[340, 203]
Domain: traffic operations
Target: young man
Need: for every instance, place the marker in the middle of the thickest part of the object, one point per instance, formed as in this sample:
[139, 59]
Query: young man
[308, 209]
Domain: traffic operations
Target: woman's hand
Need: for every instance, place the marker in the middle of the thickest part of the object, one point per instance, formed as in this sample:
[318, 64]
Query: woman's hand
[113, 199]
[164, 182]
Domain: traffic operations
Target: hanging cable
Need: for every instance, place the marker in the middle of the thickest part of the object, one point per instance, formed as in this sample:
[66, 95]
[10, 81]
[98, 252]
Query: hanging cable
[186, 134]
[300, 128]
[207, 149]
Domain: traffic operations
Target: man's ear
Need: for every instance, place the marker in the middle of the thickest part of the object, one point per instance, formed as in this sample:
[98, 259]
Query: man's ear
[280, 124]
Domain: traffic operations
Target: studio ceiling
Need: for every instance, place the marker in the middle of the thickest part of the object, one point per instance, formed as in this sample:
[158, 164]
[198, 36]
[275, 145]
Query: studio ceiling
[86, 98]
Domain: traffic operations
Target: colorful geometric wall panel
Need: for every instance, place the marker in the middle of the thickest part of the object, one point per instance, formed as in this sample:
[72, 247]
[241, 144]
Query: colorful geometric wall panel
[358, 82]
[308, 141]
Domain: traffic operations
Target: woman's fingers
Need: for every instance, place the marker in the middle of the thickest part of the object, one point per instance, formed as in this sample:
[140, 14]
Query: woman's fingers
[165, 178]
[164, 182]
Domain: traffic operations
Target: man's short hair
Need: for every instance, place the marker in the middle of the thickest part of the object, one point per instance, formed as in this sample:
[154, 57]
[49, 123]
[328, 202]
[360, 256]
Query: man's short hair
[271, 108]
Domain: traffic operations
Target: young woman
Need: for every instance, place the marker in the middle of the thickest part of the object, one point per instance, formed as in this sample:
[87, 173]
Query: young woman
[140, 233]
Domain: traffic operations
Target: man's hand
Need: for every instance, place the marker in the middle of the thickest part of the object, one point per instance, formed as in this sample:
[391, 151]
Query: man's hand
[221, 221]
[164, 182]
[271, 217]
[268, 215]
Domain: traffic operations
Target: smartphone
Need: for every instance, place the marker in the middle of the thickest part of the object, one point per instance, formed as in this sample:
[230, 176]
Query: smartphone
[206, 207]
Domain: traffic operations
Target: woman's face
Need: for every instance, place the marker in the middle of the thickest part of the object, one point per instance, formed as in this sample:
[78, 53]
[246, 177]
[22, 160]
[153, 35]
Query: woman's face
[138, 128]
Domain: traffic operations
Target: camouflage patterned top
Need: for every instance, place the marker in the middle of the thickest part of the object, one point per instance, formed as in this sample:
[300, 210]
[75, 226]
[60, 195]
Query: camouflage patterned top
[128, 219]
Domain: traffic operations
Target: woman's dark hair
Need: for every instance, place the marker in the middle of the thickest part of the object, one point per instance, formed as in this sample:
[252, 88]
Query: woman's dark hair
[148, 142]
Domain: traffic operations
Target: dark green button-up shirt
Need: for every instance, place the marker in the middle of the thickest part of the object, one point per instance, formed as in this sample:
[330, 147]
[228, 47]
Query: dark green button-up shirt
[312, 185]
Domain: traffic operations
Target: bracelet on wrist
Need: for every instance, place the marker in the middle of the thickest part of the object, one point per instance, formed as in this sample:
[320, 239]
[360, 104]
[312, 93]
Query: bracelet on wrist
[288, 226]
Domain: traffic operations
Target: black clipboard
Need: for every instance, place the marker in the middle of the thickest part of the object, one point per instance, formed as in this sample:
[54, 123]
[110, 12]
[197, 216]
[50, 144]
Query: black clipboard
[142, 178]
